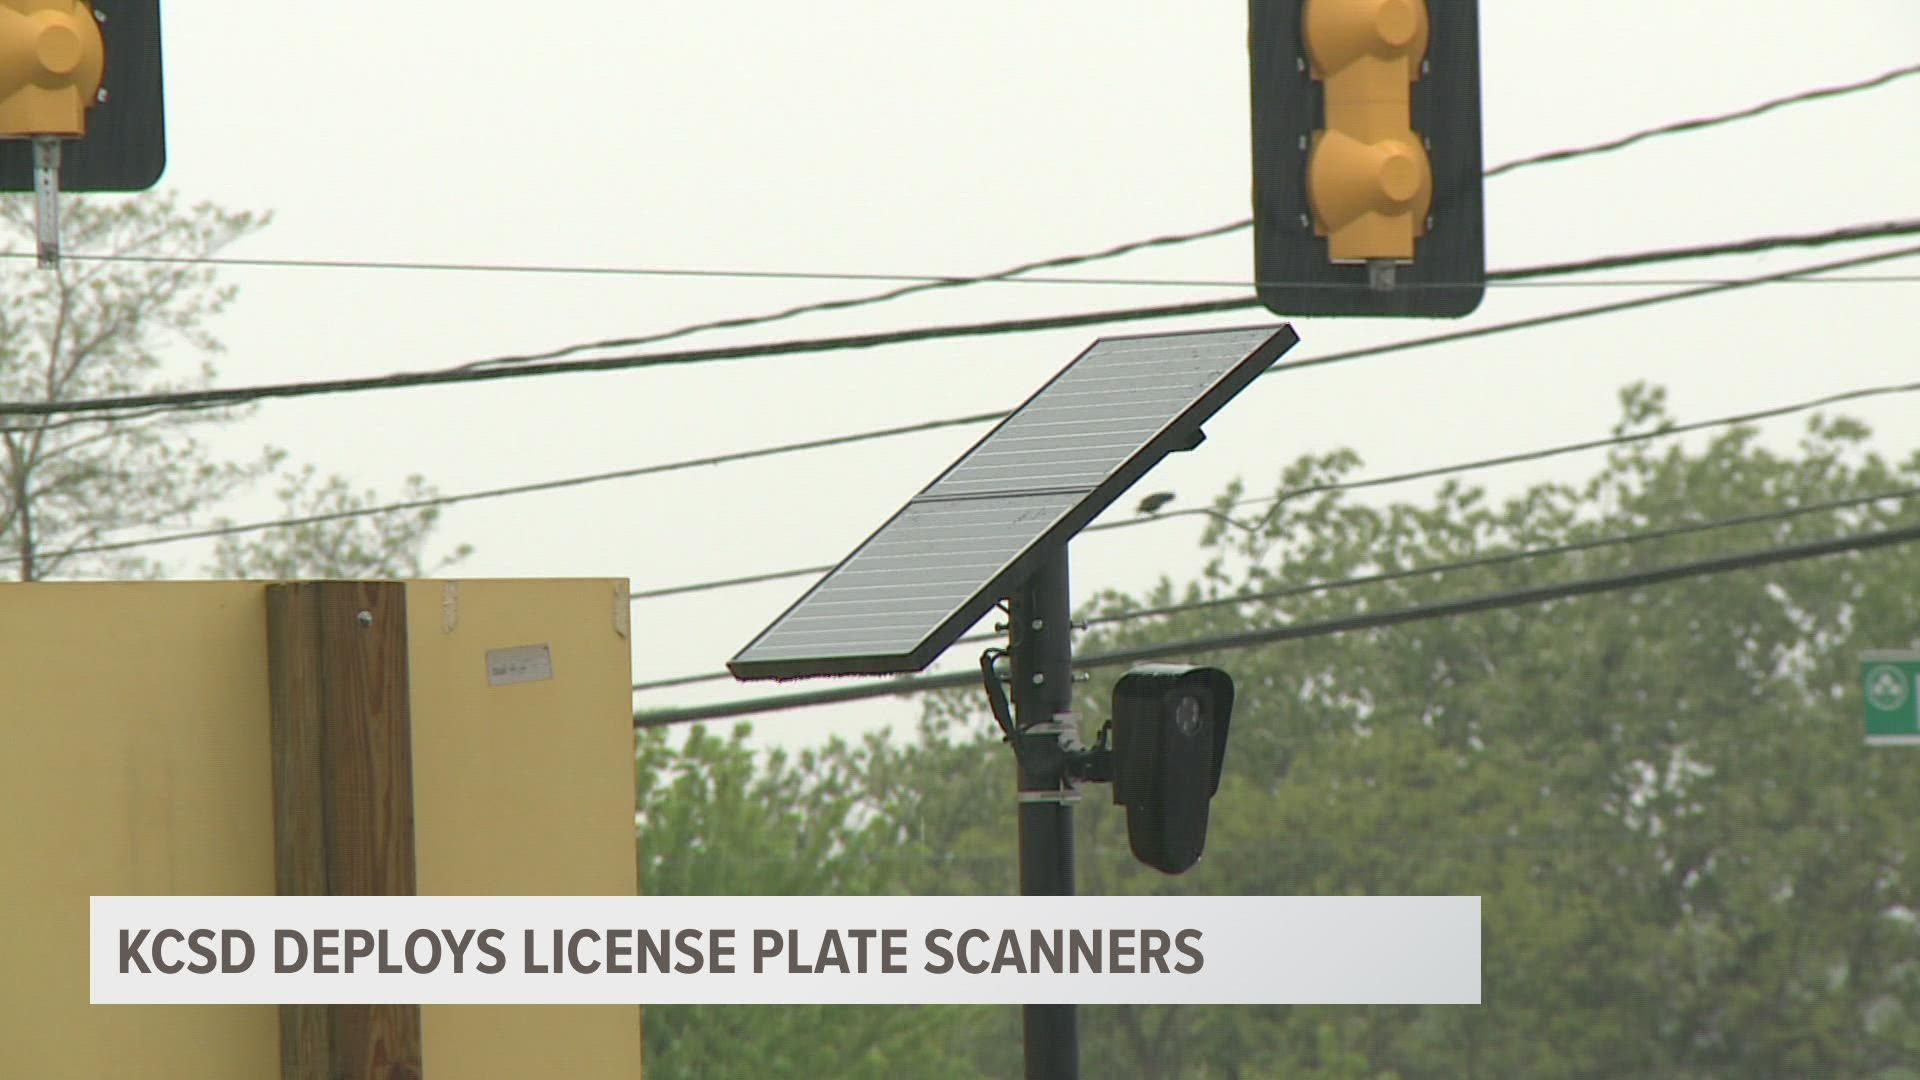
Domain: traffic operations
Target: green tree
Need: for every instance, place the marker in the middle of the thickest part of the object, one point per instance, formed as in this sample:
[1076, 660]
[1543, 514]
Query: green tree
[100, 328]
[715, 820]
[1690, 865]
[330, 534]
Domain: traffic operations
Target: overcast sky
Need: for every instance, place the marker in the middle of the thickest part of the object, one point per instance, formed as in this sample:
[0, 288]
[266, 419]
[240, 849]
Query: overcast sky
[864, 137]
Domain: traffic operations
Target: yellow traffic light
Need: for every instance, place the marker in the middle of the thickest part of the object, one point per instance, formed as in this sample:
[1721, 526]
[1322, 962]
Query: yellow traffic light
[1369, 181]
[51, 60]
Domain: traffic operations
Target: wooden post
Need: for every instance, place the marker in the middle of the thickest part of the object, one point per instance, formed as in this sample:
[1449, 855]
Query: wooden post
[343, 798]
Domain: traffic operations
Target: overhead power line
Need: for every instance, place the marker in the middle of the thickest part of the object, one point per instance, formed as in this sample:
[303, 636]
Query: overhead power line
[1756, 245]
[446, 377]
[404, 380]
[1374, 620]
[732, 582]
[925, 284]
[1699, 123]
[922, 282]
[1527, 276]
[1693, 124]
[1540, 454]
[1016, 272]
[957, 421]
[215, 531]
[1339, 584]
[1563, 449]
[1612, 308]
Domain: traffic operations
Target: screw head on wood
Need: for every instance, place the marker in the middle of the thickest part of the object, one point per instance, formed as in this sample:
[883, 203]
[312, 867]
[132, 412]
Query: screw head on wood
[365, 618]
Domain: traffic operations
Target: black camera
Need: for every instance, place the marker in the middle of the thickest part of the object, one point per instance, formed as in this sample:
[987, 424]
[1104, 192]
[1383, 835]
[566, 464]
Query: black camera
[1169, 741]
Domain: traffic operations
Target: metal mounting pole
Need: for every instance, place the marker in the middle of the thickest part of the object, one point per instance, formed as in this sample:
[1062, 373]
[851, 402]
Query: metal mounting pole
[1041, 651]
[46, 200]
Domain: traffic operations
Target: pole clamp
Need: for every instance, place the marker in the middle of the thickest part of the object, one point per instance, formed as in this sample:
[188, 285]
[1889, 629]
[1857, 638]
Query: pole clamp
[1066, 796]
[1065, 726]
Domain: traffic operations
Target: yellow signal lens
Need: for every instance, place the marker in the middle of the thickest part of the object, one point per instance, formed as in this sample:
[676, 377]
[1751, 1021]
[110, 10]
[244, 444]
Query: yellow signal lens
[51, 61]
[1369, 181]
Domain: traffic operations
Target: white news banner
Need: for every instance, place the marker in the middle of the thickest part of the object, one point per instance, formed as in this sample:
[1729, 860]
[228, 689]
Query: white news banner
[1215, 950]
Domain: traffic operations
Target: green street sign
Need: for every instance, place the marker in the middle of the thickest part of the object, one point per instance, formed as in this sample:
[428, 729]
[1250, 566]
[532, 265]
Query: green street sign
[1890, 691]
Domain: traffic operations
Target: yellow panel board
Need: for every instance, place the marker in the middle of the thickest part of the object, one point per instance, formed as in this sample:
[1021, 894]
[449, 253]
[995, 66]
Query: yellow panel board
[523, 785]
[137, 761]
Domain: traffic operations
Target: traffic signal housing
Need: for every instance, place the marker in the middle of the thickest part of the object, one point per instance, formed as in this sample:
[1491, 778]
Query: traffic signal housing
[93, 79]
[51, 60]
[1169, 742]
[1366, 157]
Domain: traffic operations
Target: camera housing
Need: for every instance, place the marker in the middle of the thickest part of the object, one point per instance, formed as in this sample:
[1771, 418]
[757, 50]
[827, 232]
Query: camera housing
[1169, 743]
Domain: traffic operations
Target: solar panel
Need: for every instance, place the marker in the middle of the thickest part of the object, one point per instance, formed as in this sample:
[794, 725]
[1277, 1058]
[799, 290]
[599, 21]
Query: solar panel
[976, 533]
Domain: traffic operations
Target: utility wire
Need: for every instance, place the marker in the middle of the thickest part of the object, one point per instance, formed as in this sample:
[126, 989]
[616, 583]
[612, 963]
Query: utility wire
[728, 583]
[1670, 282]
[1339, 584]
[1366, 482]
[524, 489]
[1495, 279]
[128, 416]
[924, 282]
[1375, 620]
[410, 379]
[1706, 121]
[401, 380]
[1589, 444]
[928, 284]
[931, 425]
[1601, 309]
[1846, 234]
[1532, 283]
[929, 281]
[717, 584]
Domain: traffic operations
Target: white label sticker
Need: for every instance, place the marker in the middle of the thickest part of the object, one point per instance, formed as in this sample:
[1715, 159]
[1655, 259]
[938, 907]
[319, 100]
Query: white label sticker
[522, 663]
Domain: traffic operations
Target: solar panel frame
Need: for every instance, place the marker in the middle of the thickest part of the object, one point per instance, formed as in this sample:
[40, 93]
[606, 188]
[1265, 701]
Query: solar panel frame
[956, 488]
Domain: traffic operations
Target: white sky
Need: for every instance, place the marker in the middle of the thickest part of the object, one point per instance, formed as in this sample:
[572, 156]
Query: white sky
[860, 136]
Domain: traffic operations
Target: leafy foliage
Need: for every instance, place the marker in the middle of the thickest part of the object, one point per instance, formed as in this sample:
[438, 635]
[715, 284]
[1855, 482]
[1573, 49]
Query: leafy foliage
[714, 821]
[1690, 865]
[91, 329]
[105, 327]
[332, 536]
